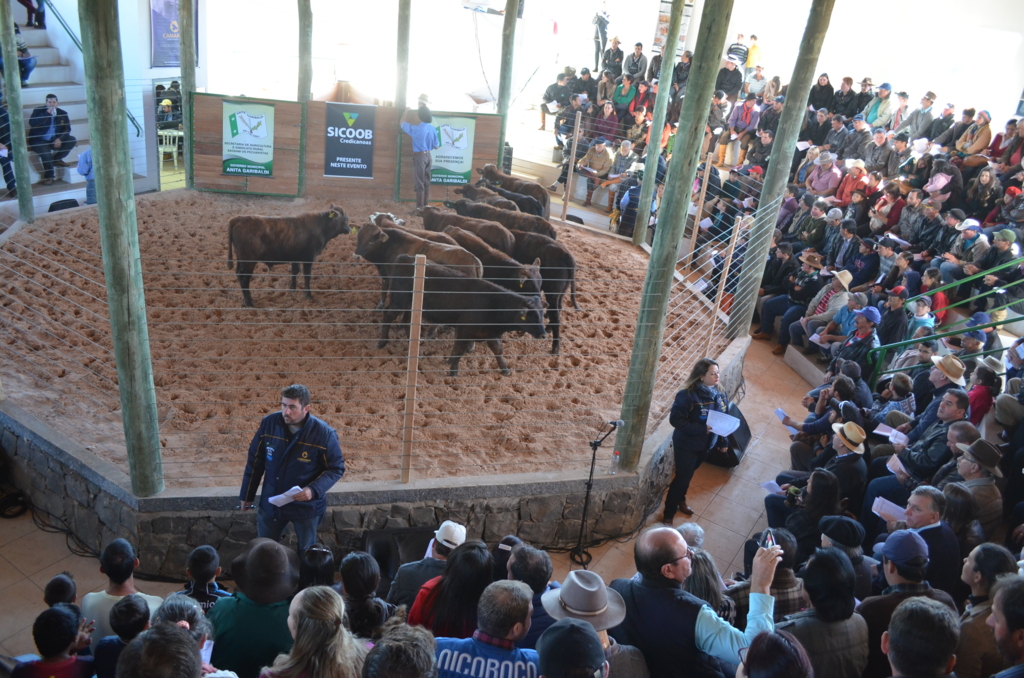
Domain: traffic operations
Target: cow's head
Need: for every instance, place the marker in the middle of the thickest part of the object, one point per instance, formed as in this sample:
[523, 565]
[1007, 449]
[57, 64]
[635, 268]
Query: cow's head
[531, 317]
[460, 190]
[460, 206]
[336, 222]
[382, 219]
[370, 241]
[530, 280]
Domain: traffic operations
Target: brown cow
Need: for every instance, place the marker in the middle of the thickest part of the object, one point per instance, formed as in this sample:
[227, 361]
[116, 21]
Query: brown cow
[500, 268]
[381, 246]
[486, 196]
[513, 221]
[388, 220]
[282, 240]
[491, 232]
[525, 203]
[558, 273]
[510, 183]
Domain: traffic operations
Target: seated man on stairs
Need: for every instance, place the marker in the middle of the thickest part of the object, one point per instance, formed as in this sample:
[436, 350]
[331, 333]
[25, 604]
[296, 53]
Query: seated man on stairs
[49, 135]
[595, 166]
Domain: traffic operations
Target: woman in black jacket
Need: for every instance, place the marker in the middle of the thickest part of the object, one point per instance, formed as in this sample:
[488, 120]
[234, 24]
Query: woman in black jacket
[819, 499]
[822, 94]
[693, 439]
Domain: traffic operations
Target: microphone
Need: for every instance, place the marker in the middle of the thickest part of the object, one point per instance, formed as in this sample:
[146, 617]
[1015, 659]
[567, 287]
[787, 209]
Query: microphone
[617, 423]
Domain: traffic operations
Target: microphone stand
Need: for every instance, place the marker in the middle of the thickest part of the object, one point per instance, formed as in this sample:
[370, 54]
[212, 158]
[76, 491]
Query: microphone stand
[579, 554]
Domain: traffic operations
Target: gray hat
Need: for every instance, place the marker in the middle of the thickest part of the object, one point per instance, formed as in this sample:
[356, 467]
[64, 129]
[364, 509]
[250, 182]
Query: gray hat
[584, 596]
[824, 157]
[834, 214]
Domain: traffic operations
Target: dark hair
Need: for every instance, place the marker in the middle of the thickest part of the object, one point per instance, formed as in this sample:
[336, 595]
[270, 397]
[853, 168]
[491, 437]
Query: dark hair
[960, 509]
[364, 612]
[777, 654]
[129, 616]
[629, 77]
[784, 248]
[843, 387]
[787, 541]
[55, 629]
[892, 188]
[164, 651]
[993, 561]
[848, 225]
[793, 188]
[1008, 591]
[203, 563]
[829, 581]
[442, 550]
[821, 205]
[960, 397]
[501, 553]
[532, 567]
[964, 431]
[453, 601]
[425, 116]
[703, 581]
[298, 391]
[930, 344]
[697, 374]
[316, 567]
[118, 561]
[182, 608]
[821, 496]
[608, 74]
[560, 77]
[60, 589]
[987, 377]
[403, 651]
[923, 635]
[51, 96]
[902, 385]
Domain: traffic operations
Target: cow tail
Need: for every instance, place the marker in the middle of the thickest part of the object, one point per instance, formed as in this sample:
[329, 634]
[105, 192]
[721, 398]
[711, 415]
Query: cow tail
[572, 287]
[231, 231]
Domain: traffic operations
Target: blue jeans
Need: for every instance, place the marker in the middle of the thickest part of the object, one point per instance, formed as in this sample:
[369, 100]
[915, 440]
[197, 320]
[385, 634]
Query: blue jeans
[563, 130]
[8, 171]
[951, 272]
[25, 65]
[305, 530]
[90, 192]
[780, 306]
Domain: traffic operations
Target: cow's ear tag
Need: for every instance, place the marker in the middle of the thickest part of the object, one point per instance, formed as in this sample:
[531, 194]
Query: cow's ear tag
[332, 214]
[522, 316]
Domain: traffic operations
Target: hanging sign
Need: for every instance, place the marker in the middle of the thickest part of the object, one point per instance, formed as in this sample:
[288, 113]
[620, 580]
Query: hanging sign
[348, 144]
[248, 139]
[453, 159]
[664, 16]
[165, 33]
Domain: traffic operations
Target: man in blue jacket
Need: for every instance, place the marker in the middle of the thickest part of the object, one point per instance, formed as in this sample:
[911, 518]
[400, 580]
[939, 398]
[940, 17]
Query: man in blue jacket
[292, 448]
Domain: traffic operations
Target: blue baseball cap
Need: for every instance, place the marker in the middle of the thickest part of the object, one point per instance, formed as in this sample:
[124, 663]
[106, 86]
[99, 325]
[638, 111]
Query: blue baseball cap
[977, 335]
[979, 318]
[902, 546]
[780, 99]
[871, 313]
[885, 85]
[859, 116]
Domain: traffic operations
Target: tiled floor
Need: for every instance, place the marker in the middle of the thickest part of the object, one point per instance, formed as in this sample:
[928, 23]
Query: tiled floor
[729, 506]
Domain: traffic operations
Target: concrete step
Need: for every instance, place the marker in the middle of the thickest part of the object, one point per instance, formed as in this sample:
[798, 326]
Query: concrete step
[34, 94]
[45, 56]
[34, 37]
[806, 366]
[52, 73]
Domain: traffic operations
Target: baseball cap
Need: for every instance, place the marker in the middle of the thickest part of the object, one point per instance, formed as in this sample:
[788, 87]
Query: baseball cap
[898, 291]
[1013, 191]
[751, 97]
[957, 214]
[780, 99]
[878, 130]
[902, 546]
[600, 140]
[887, 242]
[166, 102]
[834, 214]
[859, 116]
[1005, 234]
[842, 530]
[871, 313]
[977, 335]
[451, 534]
[969, 225]
[979, 318]
[885, 85]
[566, 645]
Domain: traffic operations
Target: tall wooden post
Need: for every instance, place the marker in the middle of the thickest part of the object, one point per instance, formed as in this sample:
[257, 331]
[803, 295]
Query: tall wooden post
[19, 147]
[682, 169]
[508, 36]
[119, 239]
[402, 78]
[668, 64]
[793, 115]
[187, 36]
[567, 192]
[305, 51]
[412, 367]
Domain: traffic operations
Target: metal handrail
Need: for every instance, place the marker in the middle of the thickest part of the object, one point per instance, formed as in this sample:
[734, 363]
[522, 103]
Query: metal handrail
[965, 357]
[78, 43]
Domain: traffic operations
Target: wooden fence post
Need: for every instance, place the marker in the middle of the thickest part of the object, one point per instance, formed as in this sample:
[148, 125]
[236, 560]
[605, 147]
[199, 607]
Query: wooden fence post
[187, 38]
[508, 37]
[572, 165]
[305, 51]
[19, 147]
[401, 81]
[413, 365]
[700, 208]
[721, 283]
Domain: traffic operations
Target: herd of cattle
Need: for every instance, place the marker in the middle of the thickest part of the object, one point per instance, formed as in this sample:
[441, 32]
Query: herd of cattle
[494, 264]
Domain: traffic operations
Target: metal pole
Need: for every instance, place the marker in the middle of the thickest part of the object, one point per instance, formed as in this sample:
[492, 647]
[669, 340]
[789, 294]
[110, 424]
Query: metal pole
[682, 169]
[305, 51]
[721, 283]
[119, 239]
[187, 36]
[775, 179]
[572, 165]
[508, 36]
[668, 64]
[700, 208]
[19, 147]
[412, 367]
[402, 79]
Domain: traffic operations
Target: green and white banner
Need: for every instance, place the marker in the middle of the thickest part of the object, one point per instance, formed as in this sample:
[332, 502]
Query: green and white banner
[453, 159]
[248, 139]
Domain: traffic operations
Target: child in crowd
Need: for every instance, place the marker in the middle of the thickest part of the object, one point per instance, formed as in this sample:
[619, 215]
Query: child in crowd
[922, 316]
[931, 279]
[898, 396]
[118, 562]
[202, 569]
[60, 589]
[55, 633]
[128, 618]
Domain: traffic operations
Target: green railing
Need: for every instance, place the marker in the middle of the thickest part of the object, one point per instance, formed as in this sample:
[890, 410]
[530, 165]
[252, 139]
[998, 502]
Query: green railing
[878, 355]
[52, 11]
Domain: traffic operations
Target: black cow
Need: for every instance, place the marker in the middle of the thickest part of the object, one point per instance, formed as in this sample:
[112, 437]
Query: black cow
[527, 204]
[558, 273]
[518, 221]
[500, 268]
[477, 309]
[282, 240]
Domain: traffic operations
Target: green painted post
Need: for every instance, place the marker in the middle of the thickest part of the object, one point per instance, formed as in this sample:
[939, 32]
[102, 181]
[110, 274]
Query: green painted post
[187, 36]
[19, 147]
[650, 326]
[305, 51]
[119, 239]
[402, 81]
[778, 168]
[508, 37]
[668, 59]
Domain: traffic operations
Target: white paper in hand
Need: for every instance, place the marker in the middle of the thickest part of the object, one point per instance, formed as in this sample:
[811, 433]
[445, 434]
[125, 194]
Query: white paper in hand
[286, 497]
[782, 415]
[883, 430]
[721, 423]
[895, 465]
[772, 487]
[699, 285]
[705, 223]
[887, 511]
[1020, 351]
[206, 652]
[3, 152]
[803, 145]
[899, 438]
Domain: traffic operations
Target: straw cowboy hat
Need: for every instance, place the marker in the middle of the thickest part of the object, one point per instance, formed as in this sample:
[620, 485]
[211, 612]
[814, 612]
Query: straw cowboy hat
[845, 277]
[851, 435]
[985, 454]
[952, 367]
[994, 364]
[584, 596]
[266, 572]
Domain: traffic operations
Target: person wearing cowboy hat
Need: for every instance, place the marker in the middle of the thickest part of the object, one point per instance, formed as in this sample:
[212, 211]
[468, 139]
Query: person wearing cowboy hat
[730, 79]
[412, 576]
[821, 310]
[612, 59]
[800, 289]
[584, 596]
[417, 124]
[865, 95]
[979, 467]
[856, 177]
[251, 626]
[823, 181]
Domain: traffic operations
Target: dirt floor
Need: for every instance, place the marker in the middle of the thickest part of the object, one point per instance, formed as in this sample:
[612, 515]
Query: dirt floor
[218, 367]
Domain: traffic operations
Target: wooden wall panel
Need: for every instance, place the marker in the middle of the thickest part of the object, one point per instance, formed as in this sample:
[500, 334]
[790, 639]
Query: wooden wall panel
[485, 150]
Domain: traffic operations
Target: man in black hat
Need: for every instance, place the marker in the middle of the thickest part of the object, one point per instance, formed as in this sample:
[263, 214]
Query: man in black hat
[417, 124]
[571, 648]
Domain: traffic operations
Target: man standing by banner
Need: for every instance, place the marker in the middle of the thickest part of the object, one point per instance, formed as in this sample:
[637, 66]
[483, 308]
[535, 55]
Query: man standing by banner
[424, 140]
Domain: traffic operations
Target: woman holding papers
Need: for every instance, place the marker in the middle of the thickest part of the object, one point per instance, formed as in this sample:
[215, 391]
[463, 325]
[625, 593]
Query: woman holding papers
[693, 437]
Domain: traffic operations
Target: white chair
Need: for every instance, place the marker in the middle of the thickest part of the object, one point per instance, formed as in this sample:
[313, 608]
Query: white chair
[169, 144]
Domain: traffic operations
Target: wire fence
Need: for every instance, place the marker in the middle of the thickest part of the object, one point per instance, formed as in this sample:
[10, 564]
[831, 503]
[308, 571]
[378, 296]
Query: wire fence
[218, 366]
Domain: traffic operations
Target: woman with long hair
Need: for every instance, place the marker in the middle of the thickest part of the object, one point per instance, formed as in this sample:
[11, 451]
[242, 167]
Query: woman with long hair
[606, 124]
[365, 613]
[644, 98]
[316, 567]
[819, 499]
[447, 604]
[606, 87]
[705, 583]
[961, 514]
[323, 647]
[774, 654]
[772, 89]
[983, 193]
[692, 440]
